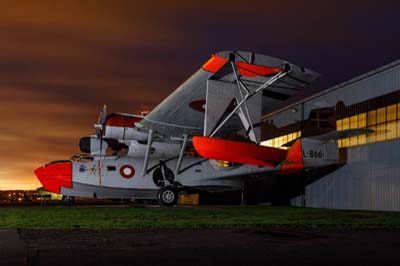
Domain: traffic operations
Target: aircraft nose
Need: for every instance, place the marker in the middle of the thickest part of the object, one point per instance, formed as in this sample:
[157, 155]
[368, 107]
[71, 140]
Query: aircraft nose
[55, 175]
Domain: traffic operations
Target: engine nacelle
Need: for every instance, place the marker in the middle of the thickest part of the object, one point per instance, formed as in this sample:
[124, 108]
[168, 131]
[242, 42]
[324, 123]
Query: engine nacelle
[158, 150]
[92, 145]
[122, 127]
[125, 133]
[317, 153]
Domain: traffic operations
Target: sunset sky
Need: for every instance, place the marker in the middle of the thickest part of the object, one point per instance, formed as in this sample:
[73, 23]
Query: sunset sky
[60, 61]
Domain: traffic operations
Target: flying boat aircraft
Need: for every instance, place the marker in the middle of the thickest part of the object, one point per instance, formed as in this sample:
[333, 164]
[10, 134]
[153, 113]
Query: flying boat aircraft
[204, 136]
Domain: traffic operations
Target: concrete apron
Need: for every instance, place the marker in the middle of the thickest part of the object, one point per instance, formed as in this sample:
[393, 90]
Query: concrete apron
[12, 248]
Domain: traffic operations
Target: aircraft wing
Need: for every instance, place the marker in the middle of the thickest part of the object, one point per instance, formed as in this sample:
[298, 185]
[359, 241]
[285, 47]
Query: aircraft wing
[183, 112]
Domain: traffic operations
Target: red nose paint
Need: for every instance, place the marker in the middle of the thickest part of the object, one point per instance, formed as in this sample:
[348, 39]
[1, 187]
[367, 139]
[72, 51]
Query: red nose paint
[55, 175]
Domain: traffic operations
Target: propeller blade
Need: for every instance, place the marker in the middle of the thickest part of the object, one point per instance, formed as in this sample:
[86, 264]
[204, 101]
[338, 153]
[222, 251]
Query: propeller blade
[101, 122]
[103, 115]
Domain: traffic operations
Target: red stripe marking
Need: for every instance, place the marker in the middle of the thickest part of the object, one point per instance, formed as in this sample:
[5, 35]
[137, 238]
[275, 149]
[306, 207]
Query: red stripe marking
[214, 63]
[248, 70]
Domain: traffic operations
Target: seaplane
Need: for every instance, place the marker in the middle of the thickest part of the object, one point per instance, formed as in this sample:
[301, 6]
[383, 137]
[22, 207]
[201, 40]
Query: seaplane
[204, 136]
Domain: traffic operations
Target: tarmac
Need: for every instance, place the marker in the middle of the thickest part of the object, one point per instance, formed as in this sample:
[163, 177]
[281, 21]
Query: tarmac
[12, 248]
[263, 246]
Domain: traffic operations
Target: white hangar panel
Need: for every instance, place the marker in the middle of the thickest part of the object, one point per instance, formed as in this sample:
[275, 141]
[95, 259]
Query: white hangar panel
[369, 181]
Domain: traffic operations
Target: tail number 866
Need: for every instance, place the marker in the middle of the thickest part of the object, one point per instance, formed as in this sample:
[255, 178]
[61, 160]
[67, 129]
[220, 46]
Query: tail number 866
[313, 154]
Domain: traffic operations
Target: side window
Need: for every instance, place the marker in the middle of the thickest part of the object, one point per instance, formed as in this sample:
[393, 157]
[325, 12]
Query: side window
[111, 168]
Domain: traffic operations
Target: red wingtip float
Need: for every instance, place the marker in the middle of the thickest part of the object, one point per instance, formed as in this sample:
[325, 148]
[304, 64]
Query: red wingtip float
[55, 175]
[238, 152]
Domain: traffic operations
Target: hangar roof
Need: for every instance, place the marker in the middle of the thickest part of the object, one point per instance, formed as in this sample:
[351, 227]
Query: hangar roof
[336, 87]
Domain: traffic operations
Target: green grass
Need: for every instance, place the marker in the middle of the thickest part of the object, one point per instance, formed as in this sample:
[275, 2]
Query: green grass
[103, 218]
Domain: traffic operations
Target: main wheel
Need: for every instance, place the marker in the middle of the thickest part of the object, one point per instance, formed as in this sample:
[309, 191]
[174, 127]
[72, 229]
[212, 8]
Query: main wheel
[167, 196]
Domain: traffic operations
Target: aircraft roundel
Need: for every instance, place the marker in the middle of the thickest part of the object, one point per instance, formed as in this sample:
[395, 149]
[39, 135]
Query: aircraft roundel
[198, 105]
[127, 171]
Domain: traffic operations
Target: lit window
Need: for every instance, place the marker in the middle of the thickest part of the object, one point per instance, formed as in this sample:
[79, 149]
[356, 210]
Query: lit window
[339, 125]
[398, 110]
[345, 142]
[371, 137]
[391, 112]
[290, 137]
[381, 115]
[398, 127]
[285, 139]
[362, 120]
[223, 164]
[391, 130]
[354, 121]
[269, 143]
[371, 119]
[345, 123]
[380, 132]
[353, 141]
[280, 141]
[362, 139]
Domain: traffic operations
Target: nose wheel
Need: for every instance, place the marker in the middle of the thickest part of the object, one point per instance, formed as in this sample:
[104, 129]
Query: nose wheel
[167, 196]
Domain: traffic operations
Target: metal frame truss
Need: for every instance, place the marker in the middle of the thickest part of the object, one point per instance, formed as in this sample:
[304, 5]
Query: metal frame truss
[246, 94]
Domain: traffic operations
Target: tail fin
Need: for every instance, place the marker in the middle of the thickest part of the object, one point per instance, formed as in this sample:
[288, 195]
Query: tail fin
[310, 153]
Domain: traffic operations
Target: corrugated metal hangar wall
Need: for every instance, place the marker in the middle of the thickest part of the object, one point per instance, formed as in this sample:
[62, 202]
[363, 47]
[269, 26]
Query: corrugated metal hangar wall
[369, 175]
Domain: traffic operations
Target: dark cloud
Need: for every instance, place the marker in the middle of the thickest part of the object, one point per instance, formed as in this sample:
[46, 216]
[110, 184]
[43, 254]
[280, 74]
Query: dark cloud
[60, 61]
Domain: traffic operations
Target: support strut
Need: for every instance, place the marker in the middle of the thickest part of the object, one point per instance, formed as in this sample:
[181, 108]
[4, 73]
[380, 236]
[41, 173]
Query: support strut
[179, 163]
[147, 155]
[248, 95]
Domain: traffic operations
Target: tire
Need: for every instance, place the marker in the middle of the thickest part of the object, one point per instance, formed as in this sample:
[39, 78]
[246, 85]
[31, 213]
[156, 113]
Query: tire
[167, 196]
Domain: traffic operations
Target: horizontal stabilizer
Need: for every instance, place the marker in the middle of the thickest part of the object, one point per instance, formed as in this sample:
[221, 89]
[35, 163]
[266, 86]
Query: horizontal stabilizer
[238, 152]
[336, 135]
[341, 134]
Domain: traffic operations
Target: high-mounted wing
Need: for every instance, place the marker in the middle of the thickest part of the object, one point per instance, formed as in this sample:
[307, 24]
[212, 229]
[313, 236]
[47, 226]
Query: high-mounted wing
[215, 87]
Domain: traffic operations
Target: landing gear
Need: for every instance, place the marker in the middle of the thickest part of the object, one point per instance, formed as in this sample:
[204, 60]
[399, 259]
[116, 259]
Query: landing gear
[68, 200]
[167, 196]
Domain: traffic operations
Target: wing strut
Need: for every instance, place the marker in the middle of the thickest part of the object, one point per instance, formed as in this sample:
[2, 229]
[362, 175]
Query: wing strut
[148, 149]
[179, 163]
[248, 94]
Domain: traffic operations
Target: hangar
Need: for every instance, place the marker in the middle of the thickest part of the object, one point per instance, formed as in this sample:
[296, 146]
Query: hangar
[368, 176]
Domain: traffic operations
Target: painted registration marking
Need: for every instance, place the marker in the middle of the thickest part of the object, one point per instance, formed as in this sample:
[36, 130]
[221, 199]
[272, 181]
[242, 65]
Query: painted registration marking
[318, 154]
